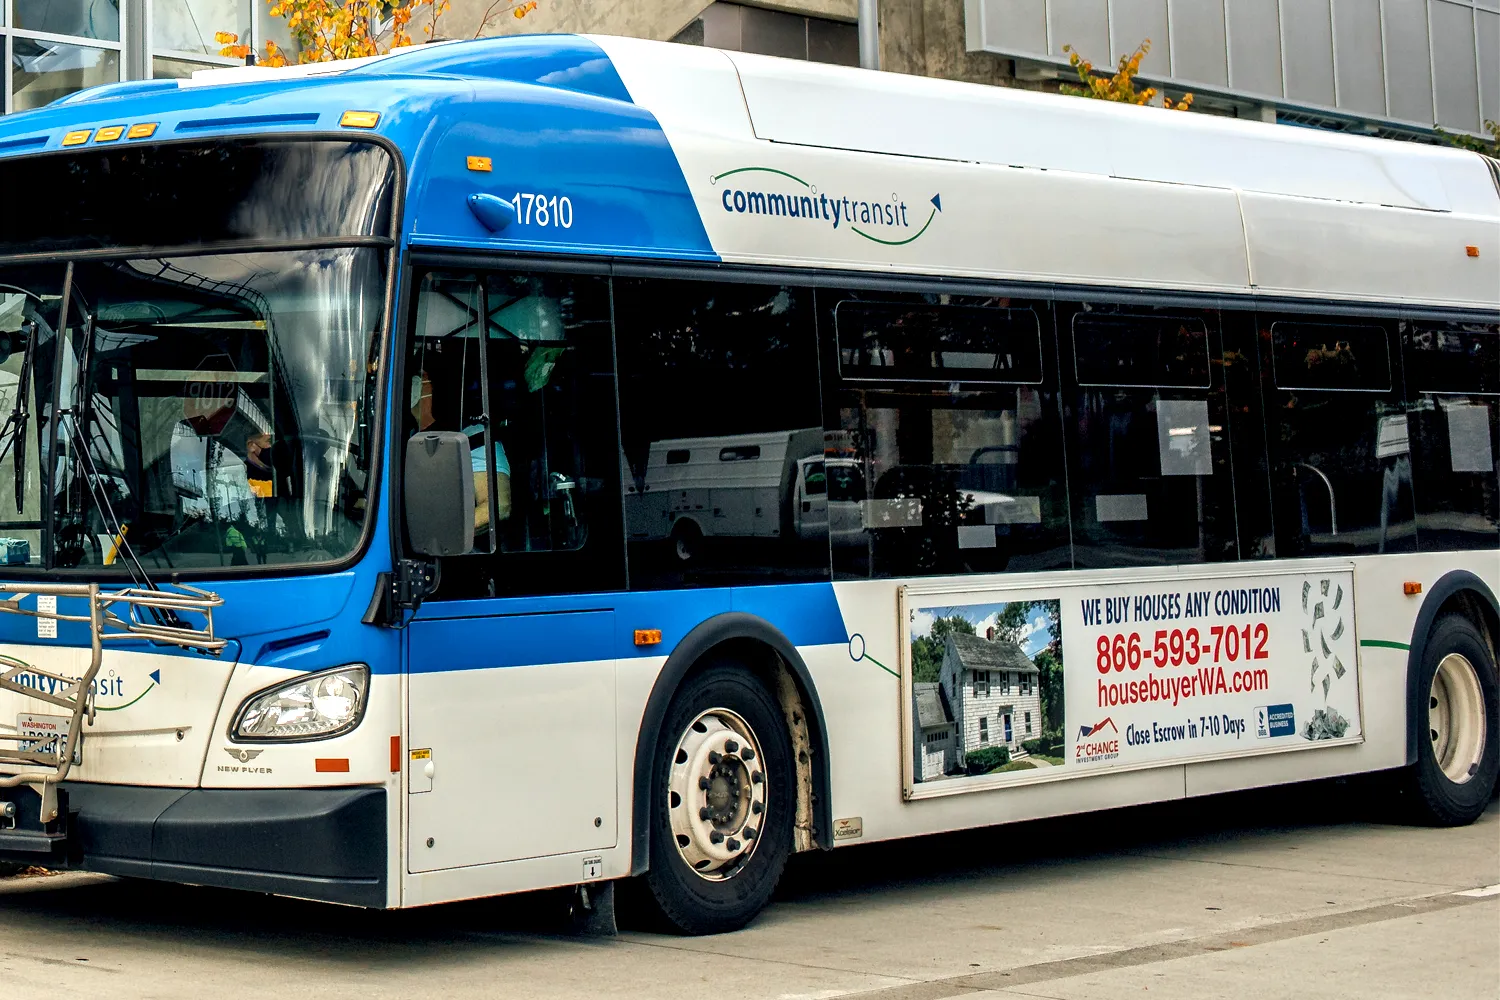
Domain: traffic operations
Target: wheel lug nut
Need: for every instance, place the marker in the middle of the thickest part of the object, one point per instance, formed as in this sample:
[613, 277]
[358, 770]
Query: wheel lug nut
[757, 808]
[714, 756]
[748, 755]
[730, 746]
[755, 776]
[715, 837]
[733, 845]
[705, 813]
[703, 784]
[751, 833]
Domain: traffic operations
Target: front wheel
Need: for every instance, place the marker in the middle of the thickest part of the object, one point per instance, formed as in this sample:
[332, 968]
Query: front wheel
[1458, 748]
[724, 799]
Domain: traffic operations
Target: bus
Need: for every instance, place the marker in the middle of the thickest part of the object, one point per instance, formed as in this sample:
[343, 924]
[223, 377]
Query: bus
[564, 462]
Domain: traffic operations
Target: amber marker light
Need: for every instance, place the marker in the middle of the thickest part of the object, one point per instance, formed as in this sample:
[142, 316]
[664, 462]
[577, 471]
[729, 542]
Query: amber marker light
[481, 164]
[648, 637]
[1409, 588]
[110, 133]
[77, 138]
[360, 119]
[144, 130]
[1472, 251]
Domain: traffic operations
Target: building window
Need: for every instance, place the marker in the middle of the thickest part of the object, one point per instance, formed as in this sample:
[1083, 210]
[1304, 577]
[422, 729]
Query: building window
[984, 729]
[773, 33]
[1004, 682]
[1025, 683]
[1028, 723]
[982, 682]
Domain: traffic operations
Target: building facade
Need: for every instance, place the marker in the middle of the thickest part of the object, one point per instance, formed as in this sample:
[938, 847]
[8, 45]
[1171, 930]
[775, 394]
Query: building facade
[1389, 67]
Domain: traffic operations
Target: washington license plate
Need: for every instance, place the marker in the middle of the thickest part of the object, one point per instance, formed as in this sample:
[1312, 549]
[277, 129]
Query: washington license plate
[43, 733]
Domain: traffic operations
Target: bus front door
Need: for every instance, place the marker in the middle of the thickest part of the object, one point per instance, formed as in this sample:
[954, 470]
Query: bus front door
[511, 746]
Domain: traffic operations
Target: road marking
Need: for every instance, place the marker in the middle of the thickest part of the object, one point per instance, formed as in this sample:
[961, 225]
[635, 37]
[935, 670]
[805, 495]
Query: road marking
[1481, 892]
[958, 986]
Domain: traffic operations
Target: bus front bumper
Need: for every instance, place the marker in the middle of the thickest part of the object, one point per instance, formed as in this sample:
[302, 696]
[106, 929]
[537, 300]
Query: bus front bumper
[325, 844]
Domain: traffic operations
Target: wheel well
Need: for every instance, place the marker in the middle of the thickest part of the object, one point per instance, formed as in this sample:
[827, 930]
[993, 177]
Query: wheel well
[762, 648]
[1458, 592]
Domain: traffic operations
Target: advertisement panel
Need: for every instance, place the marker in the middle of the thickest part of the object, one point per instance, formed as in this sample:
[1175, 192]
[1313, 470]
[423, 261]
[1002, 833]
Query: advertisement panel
[1020, 685]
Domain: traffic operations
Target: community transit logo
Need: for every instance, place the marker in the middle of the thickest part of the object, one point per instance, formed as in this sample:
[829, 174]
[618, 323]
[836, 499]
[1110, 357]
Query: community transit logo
[766, 191]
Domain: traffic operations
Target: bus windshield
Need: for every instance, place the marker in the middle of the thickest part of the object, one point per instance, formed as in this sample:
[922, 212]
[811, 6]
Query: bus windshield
[206, 403]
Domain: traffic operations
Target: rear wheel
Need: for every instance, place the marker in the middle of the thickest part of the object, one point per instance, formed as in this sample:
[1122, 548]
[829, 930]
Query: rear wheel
[687, 540]
[1458, 749]
[724, 798]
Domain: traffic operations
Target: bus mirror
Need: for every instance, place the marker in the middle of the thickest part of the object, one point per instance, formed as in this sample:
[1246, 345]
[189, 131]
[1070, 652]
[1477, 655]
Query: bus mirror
[439, 493]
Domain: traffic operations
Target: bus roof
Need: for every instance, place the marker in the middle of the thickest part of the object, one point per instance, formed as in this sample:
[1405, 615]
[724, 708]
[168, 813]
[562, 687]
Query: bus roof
[629, 148]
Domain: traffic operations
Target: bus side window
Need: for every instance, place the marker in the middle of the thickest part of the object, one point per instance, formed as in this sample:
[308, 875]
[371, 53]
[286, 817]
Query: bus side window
[1148, 455]
[944, 442]
[720, 426]
[1338, 435]
[538, 409]
[1453, 384]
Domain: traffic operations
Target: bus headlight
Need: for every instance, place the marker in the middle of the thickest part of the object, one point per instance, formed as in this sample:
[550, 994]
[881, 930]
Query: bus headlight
[313, 707]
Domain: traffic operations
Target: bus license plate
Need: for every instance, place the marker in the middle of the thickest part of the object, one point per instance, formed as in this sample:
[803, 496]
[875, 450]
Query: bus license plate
[43, 733]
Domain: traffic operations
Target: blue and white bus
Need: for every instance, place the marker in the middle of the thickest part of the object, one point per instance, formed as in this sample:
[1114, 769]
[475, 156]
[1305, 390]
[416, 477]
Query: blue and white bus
[548, 461]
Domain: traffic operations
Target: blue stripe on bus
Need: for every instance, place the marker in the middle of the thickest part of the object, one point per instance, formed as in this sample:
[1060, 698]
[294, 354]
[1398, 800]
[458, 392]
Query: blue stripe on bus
[473, 635]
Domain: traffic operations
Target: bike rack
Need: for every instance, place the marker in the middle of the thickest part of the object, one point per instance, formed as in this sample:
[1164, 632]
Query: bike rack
[112, 615]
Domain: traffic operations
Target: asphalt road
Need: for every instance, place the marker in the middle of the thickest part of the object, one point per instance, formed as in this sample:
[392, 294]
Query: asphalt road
[1302, 893]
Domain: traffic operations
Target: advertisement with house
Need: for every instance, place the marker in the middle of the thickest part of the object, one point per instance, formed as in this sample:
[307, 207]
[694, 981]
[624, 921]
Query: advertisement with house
[1077, 679]
[987, 689]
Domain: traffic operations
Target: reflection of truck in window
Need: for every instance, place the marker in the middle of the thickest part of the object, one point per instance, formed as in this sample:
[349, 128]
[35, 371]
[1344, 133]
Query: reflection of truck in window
[762, 485]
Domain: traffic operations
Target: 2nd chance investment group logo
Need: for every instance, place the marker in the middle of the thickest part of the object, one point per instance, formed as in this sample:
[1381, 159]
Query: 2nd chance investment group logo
[888, 221]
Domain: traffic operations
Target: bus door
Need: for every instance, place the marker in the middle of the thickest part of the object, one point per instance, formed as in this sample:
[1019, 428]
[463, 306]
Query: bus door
[511, 746]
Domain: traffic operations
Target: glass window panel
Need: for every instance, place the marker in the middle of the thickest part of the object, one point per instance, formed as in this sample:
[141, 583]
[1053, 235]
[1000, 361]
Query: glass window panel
[164, 68]
[937, 343]
[41, 72]
[1149, 476]
[1325, 355]
[722, 433]
[925, 479]
[1124, 347]
[546, 491]
[200, 192]
[1341, 470]
[189, 25]
[1453, 371]
[86, 19]
[1452, 356]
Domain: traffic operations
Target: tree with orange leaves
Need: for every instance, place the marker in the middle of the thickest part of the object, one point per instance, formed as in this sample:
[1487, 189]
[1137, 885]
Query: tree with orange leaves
[328, 30]
[1121, 86]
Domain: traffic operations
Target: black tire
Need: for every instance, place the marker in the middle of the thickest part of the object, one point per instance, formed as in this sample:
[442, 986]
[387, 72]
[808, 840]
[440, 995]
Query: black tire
[687, 540]
[682, 900]
[1431, 796]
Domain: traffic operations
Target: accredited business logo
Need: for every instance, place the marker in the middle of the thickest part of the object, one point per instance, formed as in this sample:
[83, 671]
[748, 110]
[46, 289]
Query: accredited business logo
[766, 191]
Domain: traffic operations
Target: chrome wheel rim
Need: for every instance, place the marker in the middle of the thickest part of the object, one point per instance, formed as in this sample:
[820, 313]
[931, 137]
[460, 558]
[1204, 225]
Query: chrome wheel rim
[716, 794]
[1455, 718]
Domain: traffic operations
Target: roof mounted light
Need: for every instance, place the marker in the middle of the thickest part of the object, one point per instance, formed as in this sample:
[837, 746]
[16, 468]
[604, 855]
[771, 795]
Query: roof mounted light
[360, 119]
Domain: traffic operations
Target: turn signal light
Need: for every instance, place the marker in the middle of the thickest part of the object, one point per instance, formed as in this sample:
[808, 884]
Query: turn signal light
[648, 637]
[1409, 588]
[481, 164]
[360, 119]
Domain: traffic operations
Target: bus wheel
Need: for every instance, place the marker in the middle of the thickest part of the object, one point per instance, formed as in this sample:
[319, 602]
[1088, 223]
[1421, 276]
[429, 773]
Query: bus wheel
[725, 799]
[1458, 748]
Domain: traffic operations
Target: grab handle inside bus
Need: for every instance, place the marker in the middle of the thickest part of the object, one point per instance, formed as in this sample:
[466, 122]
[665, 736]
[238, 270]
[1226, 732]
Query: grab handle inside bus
[438, 489]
